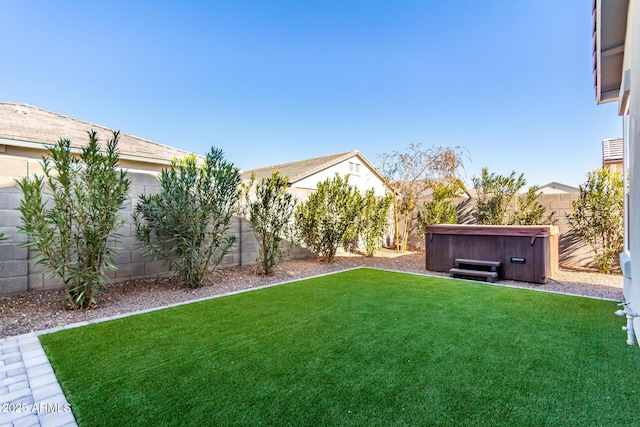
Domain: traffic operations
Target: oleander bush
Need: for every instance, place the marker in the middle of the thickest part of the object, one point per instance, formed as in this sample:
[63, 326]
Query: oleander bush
[69, 231]
[187, 223]
[323, 220]
[499, 202]
[440, 210]
[373, 220]
[598, 214]
[270, 213]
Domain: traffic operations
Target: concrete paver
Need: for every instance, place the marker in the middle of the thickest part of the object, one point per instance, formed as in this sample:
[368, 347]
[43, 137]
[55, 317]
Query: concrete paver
[13, 380]
[29, 391]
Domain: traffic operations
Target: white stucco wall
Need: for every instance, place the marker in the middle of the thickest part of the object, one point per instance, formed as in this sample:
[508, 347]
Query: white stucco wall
[632, 63]
[364, 178]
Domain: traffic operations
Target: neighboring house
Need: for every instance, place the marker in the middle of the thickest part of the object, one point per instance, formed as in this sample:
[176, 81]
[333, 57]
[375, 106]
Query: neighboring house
[557, 188]
[25, 132]
[612, 153]
[616, 35]
[304, 175]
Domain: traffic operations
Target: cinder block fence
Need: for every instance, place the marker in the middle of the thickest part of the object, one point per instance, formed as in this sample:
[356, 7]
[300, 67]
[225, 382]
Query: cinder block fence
[19, 272]
[14, 264]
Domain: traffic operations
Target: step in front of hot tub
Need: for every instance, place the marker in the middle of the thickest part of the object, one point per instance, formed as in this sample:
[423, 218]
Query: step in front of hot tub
[489, 276]
[492, 265]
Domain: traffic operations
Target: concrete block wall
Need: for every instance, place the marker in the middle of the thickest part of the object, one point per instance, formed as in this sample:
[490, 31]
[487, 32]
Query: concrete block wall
[245, 250]
[19, 272]
[132, 260]
[573, 252]
[14, 271]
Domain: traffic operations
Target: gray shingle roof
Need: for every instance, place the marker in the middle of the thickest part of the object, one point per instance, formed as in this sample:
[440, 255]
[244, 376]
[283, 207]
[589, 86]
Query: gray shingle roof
[25, 123]
[612, 150]
[303, 168]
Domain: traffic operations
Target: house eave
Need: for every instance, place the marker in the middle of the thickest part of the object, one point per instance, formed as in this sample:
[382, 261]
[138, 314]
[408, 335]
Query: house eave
[42, 147]
[609, 32]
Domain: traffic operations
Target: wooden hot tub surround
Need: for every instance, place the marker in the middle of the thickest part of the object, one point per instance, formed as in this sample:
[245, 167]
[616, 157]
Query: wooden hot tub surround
[527, 253]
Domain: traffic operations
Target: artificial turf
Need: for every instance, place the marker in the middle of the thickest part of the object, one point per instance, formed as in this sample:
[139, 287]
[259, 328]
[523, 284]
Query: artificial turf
[363, 347]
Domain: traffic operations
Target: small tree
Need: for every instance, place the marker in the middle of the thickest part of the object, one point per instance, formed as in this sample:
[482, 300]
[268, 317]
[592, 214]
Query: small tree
[411, 173]
[186, 225]
[597, 216]
[324, 218]
[270, 215]
[373, 220]
[70, 237]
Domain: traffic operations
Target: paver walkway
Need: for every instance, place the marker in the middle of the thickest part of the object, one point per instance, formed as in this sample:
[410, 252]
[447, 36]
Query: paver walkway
[29, 391]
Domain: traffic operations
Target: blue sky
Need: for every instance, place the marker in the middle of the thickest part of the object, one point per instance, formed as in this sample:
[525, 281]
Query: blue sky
[276, 81]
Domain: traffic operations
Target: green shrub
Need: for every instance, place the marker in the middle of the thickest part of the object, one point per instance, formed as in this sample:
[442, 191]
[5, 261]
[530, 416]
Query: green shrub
[186, 225]
[270, 215]
[70, 237]
[373, 220]
[325, 217]
[437, 211]
[440, 210]
[498, 202]
[495, 195]
[529, 210]
[597, 216]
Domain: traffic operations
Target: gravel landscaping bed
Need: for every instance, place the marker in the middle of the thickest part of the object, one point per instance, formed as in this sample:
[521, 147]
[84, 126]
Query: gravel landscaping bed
[42, 309]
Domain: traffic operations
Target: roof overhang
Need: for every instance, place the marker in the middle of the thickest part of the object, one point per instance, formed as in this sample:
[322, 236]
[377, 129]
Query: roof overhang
[75, 150]
[609, 32]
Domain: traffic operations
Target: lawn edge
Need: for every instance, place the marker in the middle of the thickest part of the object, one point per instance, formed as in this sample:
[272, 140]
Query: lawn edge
[178, 304]
[504, 285]
[181, 303]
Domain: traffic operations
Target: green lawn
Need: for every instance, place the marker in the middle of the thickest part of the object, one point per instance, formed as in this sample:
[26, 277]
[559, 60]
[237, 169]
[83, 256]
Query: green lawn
[363, 347]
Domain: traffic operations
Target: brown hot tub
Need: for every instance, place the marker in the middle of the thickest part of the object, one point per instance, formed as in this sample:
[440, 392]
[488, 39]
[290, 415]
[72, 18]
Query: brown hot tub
[528, 253]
